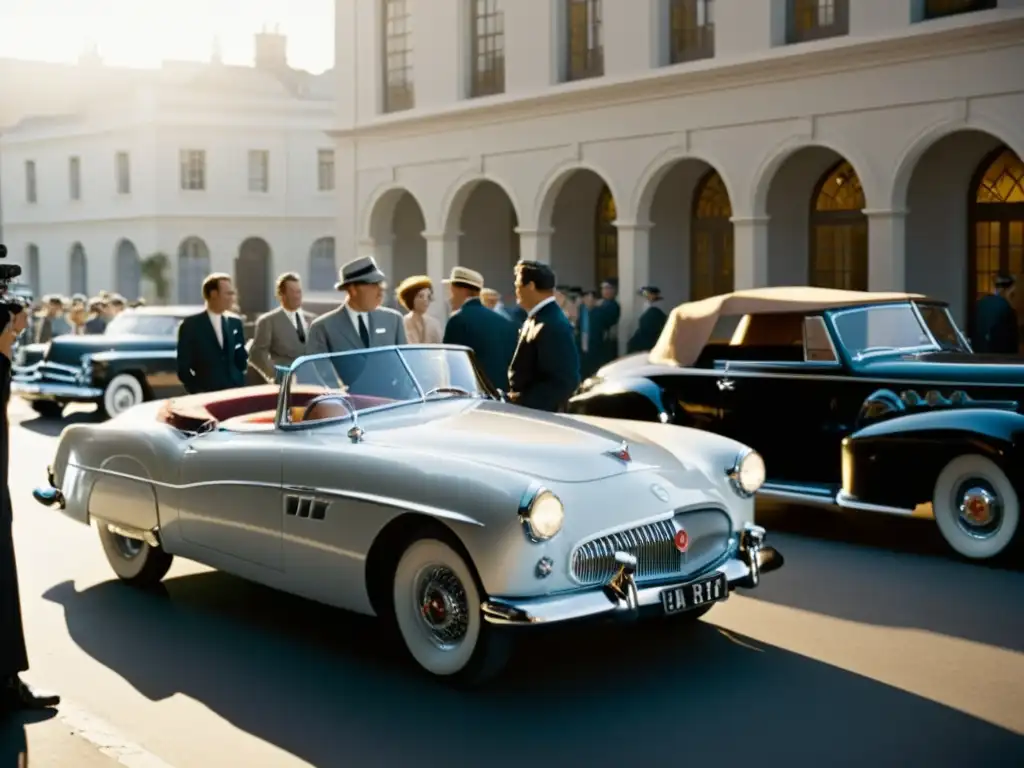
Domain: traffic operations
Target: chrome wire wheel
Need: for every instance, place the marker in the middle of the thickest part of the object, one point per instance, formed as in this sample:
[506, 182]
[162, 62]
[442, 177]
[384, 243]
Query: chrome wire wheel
[976, 507]
[442, 604]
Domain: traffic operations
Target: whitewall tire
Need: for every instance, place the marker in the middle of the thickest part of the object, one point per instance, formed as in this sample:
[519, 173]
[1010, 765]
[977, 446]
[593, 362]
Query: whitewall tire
[437, 611]
[134, 561]
[976, 507]
[121, 393]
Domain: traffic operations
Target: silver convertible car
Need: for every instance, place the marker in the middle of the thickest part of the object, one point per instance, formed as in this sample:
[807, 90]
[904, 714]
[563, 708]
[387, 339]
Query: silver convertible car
[396, 482]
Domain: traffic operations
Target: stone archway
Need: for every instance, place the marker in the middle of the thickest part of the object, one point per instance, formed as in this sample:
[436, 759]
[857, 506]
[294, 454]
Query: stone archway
[127, 270]
[816, 235]
[396, 225]
[323, 271]
[484, 217]
[253, 279]
[193, 267]
[78, 271]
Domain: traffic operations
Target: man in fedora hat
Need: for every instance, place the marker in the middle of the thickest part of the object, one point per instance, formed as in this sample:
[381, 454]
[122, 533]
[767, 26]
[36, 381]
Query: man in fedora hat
[995, 320]
[360, 322]
[491, 337]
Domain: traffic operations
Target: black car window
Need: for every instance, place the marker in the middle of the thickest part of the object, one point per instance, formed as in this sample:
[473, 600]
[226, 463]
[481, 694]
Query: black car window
[942, 326]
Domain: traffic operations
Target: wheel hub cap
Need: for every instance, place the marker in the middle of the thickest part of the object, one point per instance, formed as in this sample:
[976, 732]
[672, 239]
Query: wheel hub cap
[443, 606]
[124, 399]
[980, 510]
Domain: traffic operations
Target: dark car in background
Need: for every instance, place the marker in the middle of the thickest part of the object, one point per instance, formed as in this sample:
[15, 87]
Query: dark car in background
[863, 401]
[132, 361]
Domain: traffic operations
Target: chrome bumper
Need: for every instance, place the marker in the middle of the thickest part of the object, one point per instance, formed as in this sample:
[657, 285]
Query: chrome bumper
[621, 597]
[37, 389]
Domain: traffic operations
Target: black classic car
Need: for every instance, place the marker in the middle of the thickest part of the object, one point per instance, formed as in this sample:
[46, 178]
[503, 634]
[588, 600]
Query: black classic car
[132, 361]
[864, 401]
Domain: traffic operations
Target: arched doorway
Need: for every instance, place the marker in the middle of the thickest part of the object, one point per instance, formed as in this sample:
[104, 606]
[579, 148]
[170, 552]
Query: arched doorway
[32, 255]
[996, 231]
[323, 273]
[252, 277]
[485, 218]
[193, 267]
[606, 238]
[78, 277]
[128, 270]
[711, 247]
[839, 231]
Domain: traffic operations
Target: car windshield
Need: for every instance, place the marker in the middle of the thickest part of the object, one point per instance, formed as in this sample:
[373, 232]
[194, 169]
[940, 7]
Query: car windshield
[943, 327]
[131, 324]
[881, 329]
[332, 385]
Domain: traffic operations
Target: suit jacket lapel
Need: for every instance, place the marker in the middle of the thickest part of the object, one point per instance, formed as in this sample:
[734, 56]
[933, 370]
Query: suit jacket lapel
[287, 331]
[347, 329]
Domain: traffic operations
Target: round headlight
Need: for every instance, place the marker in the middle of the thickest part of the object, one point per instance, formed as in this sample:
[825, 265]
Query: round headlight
[544, 517]
[748, 474]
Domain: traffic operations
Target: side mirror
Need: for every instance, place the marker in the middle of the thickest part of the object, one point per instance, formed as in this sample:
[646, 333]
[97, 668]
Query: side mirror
[280, 374]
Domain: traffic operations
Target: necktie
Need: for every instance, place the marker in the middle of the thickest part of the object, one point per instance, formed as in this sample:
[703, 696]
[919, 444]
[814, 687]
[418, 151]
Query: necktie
[298, 328]
[363, 333]
[223, 333]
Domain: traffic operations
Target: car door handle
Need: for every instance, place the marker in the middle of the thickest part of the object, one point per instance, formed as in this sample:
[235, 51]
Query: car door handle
[726, 385]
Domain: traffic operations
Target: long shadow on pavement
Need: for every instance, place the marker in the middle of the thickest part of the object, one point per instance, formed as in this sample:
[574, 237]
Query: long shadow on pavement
[53, 427]
[329, 688]
[13, 744]
[890, 572]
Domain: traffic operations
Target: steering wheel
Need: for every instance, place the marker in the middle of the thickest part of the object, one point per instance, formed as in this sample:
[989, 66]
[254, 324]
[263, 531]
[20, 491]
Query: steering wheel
[324, 403]
[448, 391]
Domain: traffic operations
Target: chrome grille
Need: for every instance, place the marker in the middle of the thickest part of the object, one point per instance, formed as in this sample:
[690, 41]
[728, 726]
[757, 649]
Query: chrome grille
[59, 372]
[710, 530]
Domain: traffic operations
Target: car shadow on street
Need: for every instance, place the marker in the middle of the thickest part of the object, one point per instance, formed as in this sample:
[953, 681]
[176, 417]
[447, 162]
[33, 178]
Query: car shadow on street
[331, 689]
[53, 427]
[890, 571]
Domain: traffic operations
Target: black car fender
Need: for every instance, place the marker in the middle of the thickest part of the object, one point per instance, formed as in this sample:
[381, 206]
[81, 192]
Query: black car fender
[896, 462]
[633, 398]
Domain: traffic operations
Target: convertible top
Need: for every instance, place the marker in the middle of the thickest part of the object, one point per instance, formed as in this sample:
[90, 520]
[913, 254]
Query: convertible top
[690, 325]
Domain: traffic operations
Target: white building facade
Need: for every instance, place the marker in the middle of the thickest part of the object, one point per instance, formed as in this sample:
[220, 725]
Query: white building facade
[206, 170]
[698, 145]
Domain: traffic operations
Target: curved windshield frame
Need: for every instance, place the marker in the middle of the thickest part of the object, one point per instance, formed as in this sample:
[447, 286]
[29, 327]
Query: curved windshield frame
[378, 379]
[882, 329]
[133, 324]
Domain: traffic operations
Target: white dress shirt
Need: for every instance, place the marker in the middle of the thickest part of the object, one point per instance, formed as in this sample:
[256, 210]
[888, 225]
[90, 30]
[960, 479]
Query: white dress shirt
[215, 321]
[354, 316]
[540, 306]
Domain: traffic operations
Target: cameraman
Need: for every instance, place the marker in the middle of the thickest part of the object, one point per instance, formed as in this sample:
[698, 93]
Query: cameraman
[14, 694]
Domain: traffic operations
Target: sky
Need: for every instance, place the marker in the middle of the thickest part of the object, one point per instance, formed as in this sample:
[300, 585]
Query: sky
[145, 32]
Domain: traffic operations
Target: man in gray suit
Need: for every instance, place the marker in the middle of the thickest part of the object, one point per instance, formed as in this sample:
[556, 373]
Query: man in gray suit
[280, 335]
[360, 322]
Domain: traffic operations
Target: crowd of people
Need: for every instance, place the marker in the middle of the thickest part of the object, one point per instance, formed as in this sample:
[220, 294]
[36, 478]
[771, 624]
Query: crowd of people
[54, 315]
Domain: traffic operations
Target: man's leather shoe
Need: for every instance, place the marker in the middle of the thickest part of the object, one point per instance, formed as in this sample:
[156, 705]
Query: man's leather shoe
[16, 695]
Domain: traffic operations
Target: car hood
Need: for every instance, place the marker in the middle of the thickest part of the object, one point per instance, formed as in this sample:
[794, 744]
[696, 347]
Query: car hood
[950, 367]
[544, 446]
[68, 350]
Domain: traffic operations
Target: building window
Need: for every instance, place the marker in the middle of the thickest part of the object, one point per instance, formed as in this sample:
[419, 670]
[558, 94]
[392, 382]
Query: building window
[488, 54]
[585, 40]
[839, 232]
[193, 267]
[606, 238]
[817, 19]
[123, 170]
[193, 169]
[996, 226]
[936, 9]
[691, 25]
[399, 93]
[323, 274]
[75, 178]
[325, 170]
[78, 268]
[32, 252]
[711, 241]
[30, 181]
[259, 170]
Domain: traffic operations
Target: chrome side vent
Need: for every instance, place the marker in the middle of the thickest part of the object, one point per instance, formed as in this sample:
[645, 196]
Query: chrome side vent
[305, 507]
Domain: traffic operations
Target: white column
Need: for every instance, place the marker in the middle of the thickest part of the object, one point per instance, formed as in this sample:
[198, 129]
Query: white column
[535, 244]
[442, 255]
[634, 273]
[750, 252]
[887, 269]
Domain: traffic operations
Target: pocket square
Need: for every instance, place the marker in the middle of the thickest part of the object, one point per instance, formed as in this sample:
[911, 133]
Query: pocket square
[380, 330]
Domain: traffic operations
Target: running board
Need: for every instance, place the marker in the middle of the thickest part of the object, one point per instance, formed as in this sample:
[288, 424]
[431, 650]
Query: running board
[816, 494]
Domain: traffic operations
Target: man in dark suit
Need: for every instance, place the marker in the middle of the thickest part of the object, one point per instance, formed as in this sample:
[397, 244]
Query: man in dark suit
[491, 337]
[589, 334]
[651, 321]
[211, 344]
[14, 694]
[995, 320]
[545, 369]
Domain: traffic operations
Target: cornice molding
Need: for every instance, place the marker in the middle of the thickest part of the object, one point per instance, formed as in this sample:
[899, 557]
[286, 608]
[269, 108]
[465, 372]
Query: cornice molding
[1002, 30]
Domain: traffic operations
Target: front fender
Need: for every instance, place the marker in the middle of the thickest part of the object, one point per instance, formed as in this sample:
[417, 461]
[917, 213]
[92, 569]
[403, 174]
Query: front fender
[896, 462]
[633, 398]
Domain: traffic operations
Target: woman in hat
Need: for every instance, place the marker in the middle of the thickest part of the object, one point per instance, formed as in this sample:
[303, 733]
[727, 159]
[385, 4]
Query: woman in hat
[416, 294]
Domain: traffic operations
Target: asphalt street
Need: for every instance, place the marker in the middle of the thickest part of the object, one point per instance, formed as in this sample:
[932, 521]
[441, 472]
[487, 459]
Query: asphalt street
[872, 646]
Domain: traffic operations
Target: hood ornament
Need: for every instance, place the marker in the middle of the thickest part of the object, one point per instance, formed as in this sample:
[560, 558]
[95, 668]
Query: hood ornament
[621, 453]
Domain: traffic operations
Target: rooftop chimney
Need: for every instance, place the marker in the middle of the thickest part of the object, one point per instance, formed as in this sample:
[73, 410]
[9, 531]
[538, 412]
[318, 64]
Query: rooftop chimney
[271, 50]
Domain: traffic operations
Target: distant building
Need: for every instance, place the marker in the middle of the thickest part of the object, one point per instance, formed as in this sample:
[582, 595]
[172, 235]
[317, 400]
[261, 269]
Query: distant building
[217, 167]
[697, 145]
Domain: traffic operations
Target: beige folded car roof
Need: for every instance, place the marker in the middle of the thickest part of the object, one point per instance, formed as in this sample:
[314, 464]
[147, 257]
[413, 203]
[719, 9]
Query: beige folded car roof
[690, 325]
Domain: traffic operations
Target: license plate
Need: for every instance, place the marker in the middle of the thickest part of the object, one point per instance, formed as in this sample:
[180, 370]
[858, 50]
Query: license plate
[694, 595]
